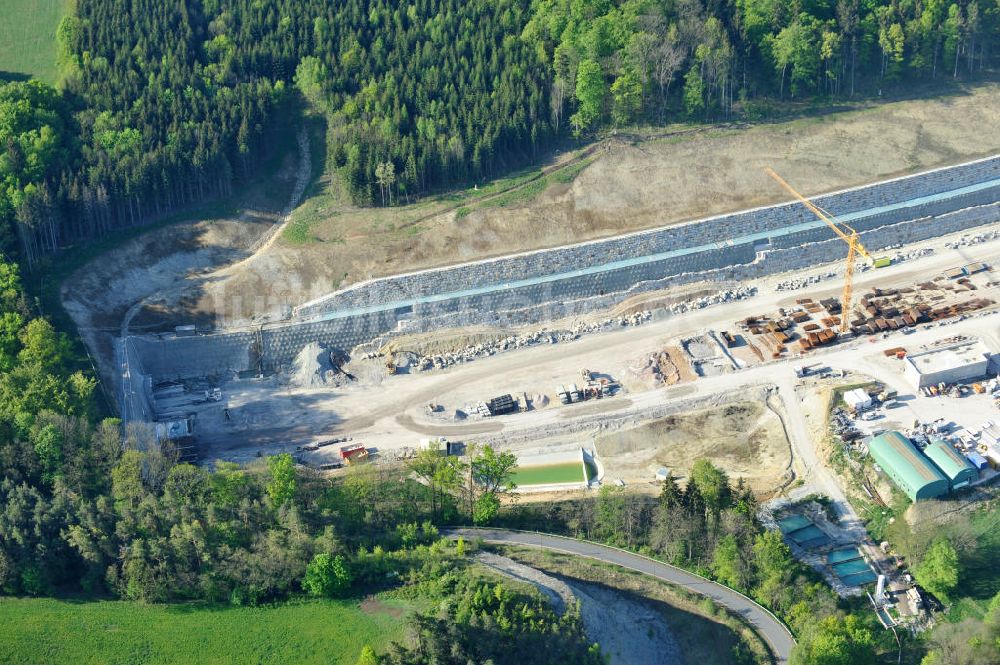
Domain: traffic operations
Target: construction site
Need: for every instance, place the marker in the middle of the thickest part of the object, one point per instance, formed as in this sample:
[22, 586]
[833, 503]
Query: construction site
[648, 350]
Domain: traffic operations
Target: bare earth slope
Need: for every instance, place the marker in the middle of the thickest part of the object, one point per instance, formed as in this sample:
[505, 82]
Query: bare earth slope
[151, 281]
[628, 187]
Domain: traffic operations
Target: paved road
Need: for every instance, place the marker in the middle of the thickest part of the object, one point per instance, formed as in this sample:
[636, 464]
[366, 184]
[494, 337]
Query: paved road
[777, 636]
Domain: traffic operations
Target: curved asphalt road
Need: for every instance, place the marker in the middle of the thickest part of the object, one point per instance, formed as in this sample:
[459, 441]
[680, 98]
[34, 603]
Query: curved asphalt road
[777, 636]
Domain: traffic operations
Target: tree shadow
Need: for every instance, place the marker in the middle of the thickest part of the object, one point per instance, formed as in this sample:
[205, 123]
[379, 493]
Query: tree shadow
[11, 77]
[275, 417]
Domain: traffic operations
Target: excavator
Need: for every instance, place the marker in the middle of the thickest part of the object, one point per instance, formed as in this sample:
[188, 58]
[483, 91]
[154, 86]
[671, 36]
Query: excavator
[389, 351]
[846, 233]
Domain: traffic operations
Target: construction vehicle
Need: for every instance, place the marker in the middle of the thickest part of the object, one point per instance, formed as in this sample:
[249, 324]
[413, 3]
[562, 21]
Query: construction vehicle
[390, 351]
[802, 371]
[354, 453]
[594, 389]
[846, 233]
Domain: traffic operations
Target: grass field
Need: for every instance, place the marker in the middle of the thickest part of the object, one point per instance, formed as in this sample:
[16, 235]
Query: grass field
[28, 38]
[41, 630]
[567, 472]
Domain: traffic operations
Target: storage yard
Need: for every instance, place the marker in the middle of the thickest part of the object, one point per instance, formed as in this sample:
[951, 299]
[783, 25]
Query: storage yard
[271, 414]
[651, 349]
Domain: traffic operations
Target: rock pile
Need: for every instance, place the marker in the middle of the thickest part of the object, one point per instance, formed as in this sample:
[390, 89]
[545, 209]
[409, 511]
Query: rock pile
[803, 282]
[721, 297]
[966, 241]
[422, 363]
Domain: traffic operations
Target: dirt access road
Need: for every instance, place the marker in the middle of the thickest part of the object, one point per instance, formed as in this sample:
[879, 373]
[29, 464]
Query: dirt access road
[771, 630]
[391, 414]
[145, 283]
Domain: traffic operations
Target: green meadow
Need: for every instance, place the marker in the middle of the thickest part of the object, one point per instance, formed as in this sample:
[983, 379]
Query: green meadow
[43, 630]
[28, 38]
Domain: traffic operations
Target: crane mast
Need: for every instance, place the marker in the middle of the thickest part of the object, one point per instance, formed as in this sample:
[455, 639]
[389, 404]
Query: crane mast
[846, 233]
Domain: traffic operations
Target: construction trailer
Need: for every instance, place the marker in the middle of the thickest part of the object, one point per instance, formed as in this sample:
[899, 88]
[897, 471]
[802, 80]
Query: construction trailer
[977, 460]
[989, 434]
[858, 400]
[178, 434]
[909, 469]
[438, 444]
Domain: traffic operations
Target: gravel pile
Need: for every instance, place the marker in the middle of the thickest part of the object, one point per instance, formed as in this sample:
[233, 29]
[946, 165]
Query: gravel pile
[313, 367]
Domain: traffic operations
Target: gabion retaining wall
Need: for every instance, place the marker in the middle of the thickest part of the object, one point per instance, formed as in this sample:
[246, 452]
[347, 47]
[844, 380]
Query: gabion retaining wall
[565, 288]
[773, 222]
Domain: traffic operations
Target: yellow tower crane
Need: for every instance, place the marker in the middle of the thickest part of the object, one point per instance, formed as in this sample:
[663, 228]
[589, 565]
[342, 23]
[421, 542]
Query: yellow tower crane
[845, 233]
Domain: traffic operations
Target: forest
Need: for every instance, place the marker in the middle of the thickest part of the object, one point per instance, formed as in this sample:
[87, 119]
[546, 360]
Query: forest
[164, 104]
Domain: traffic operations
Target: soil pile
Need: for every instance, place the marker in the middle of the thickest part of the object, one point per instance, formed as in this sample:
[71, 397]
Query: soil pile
[656, 369]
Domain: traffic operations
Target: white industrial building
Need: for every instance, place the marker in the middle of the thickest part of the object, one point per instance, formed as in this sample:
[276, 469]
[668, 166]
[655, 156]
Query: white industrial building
[953, 363]
[858, 400]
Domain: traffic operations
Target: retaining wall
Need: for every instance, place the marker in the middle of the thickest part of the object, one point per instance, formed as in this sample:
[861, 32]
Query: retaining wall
[770, 223]
[551, 284]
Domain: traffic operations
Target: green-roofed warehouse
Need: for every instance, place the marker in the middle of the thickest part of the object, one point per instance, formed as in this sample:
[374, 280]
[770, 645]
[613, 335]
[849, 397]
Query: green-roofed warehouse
[955, 466]
[909, 469]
